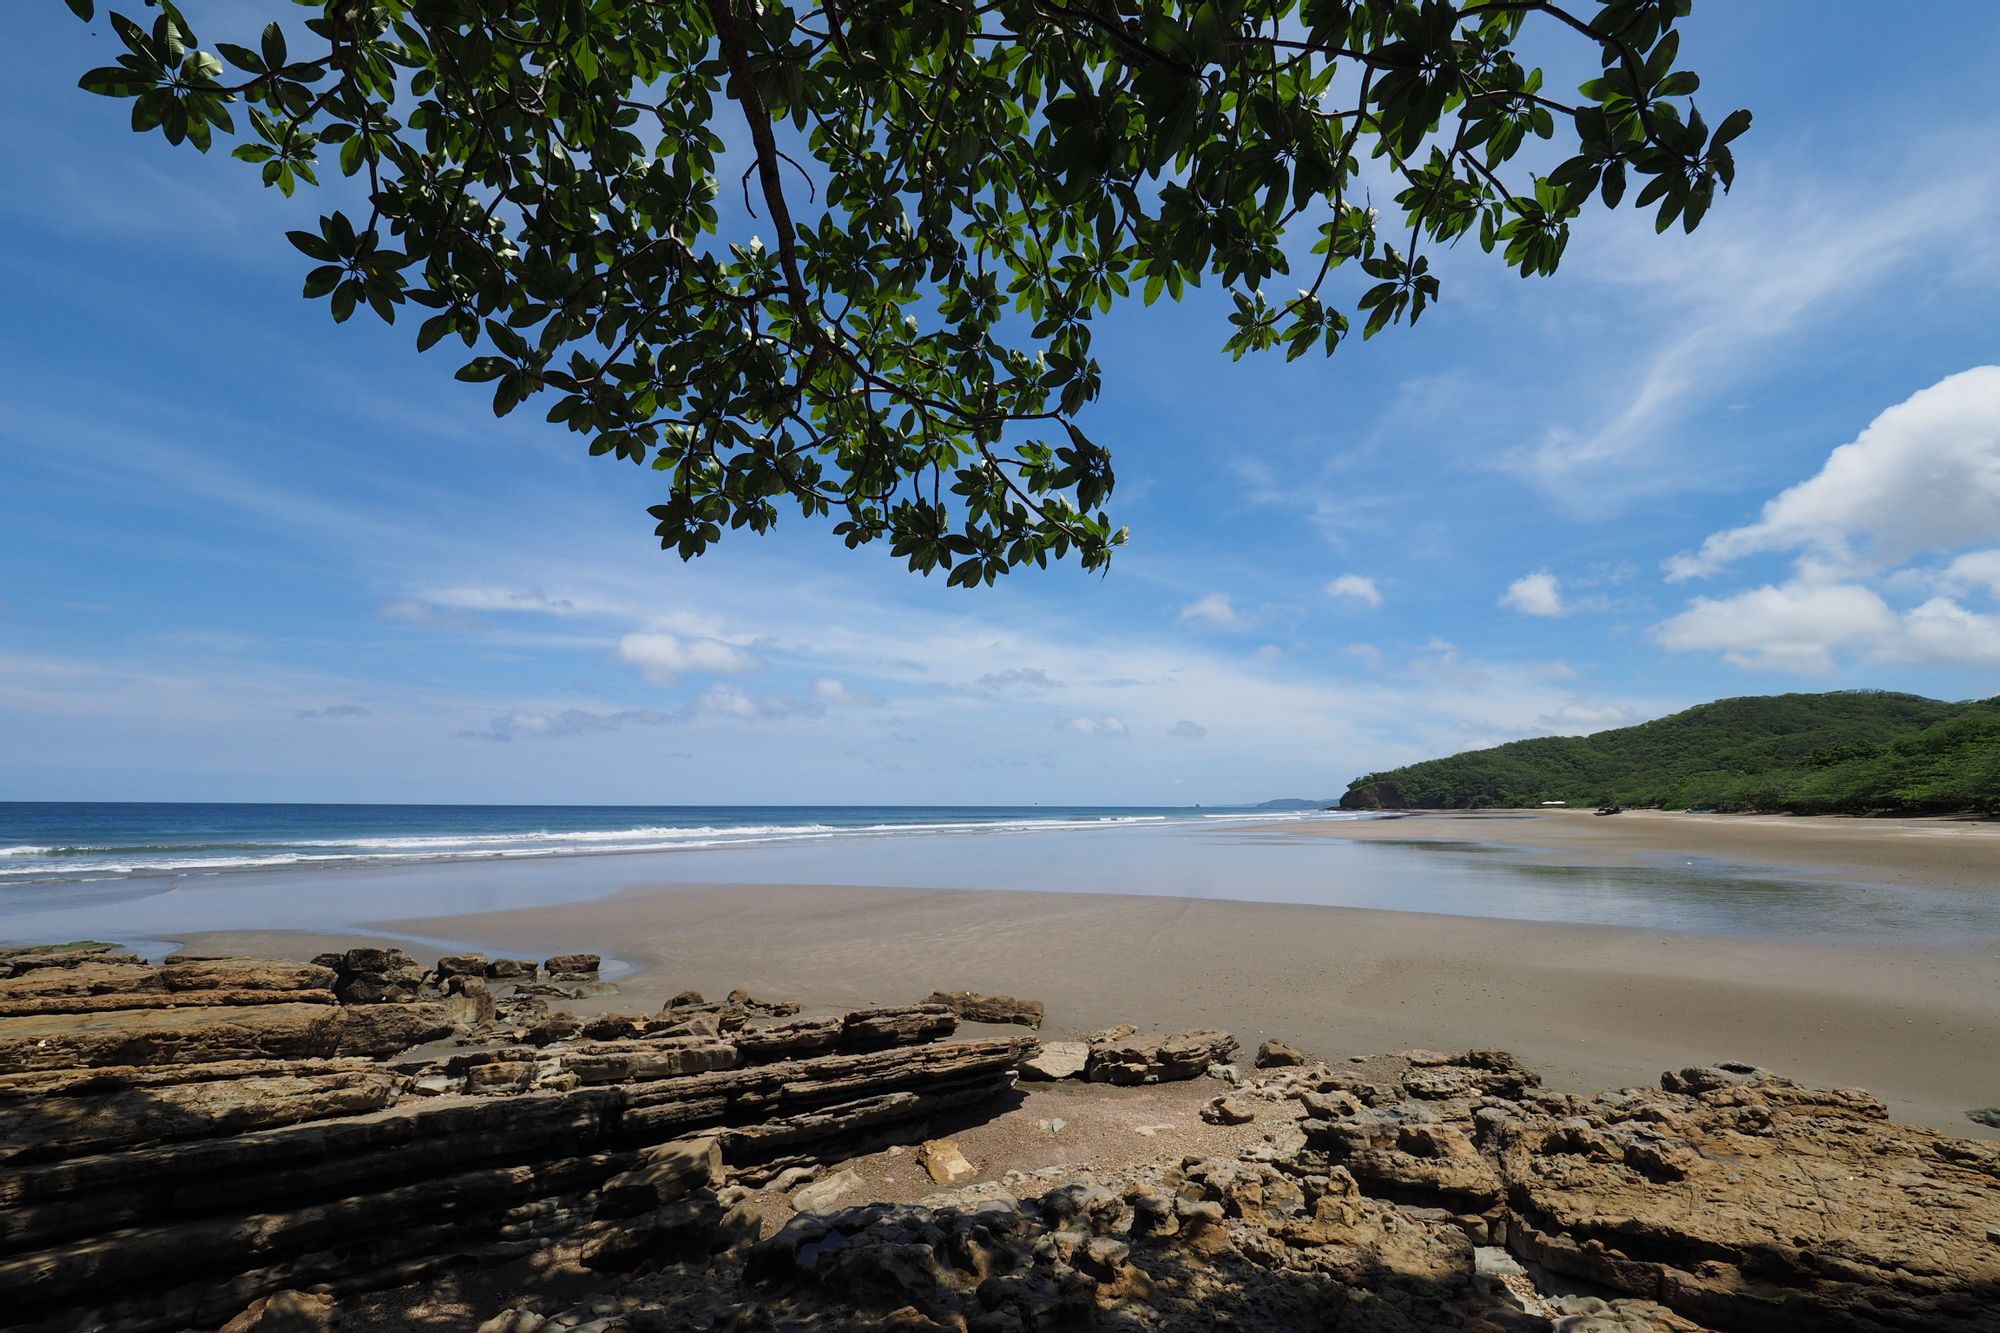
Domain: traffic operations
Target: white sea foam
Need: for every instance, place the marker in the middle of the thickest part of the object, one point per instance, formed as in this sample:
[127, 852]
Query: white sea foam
[109, 861]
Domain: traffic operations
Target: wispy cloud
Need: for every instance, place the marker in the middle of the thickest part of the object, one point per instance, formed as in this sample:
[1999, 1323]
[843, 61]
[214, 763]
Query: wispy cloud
[569, 722]
[1712, 312]
[731, 702]
[665, 658]
[1018, 678]
[1215, 611]
[1100, 727]
[333, 711]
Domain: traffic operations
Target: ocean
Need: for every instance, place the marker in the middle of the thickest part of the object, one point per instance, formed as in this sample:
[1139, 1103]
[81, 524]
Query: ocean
[138, 872]
[44, 841]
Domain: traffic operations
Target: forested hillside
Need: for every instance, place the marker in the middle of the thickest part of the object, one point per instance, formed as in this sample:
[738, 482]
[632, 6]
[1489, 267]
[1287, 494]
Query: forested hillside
[1849, 752]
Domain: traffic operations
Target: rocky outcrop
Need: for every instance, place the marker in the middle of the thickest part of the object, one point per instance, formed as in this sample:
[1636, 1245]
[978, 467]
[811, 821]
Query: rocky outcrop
[378, 976]
[1136, 1059]
[68, 1115]
[972, 1007]
[1746, 1200]
[198, 1034]
[161, 1167]
[1734, 1197]
[1056, 1060]
[20, 960]
[1415, 1193]
[1275, 1054]
[184, 972]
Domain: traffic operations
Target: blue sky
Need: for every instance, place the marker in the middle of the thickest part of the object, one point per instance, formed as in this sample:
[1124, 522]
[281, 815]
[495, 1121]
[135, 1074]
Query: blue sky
[247, 555]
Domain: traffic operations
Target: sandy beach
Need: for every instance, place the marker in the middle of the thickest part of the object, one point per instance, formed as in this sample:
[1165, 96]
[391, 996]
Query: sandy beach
[1591, 1007]
[1936, 852]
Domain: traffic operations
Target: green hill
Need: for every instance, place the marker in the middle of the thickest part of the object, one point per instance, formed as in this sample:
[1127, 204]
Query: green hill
[1849, 752]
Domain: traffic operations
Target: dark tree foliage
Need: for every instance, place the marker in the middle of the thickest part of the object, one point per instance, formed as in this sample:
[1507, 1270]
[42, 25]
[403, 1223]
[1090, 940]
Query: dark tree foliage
[949, 191]
[1849, 752]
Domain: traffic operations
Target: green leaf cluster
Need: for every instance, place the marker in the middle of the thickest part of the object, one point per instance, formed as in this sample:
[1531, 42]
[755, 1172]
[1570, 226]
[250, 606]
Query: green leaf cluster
[949, 194]
[1848, 752]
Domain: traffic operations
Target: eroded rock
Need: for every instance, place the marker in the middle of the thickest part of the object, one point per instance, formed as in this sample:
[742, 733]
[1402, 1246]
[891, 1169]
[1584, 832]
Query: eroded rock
[1183, 1055]
[973, 1007]
[1056, 1060]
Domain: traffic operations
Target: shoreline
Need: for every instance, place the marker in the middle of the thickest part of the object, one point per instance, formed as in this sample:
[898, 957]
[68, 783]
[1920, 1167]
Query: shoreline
[1942, 851]
[1591, 1007]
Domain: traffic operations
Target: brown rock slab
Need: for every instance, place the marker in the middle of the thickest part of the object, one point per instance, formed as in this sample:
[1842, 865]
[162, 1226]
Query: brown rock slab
[98, 1004]
[867, 1028]
[207, 974]
[1226, 1110]
[825, 1192]
[973, 1007]
[945, 1162]
[85, 977]
[127, 1112]
[170, 1036]
[1056, 1060]
[1170, 1059]
[287, 1312]
[384, 1029]
[1275, 1054]
[665, 1174]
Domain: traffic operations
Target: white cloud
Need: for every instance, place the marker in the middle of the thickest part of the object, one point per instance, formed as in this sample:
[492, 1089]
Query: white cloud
[830, 691]
[1580, 717]
[731, 702]
[1974, 569]
[494, 598]
[1536, 594]
[568, 722]
[1216, 612]
[1791, 628]
[1187, 731]
[1922, 479]
[1924, 476]
[1103, 727]
[665, 658]
[1018, 678]
[1358, 588]
[412, 612]
[1943, 633]
[1796, 627]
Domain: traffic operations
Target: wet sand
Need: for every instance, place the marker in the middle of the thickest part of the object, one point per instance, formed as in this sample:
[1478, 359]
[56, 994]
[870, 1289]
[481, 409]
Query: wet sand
[1591, 1007]
[1934, 853]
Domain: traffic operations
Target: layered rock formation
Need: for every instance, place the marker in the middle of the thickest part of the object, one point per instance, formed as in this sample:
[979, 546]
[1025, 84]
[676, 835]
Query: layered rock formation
[1409, 1194]
[251, 1165]
[167, 1162]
